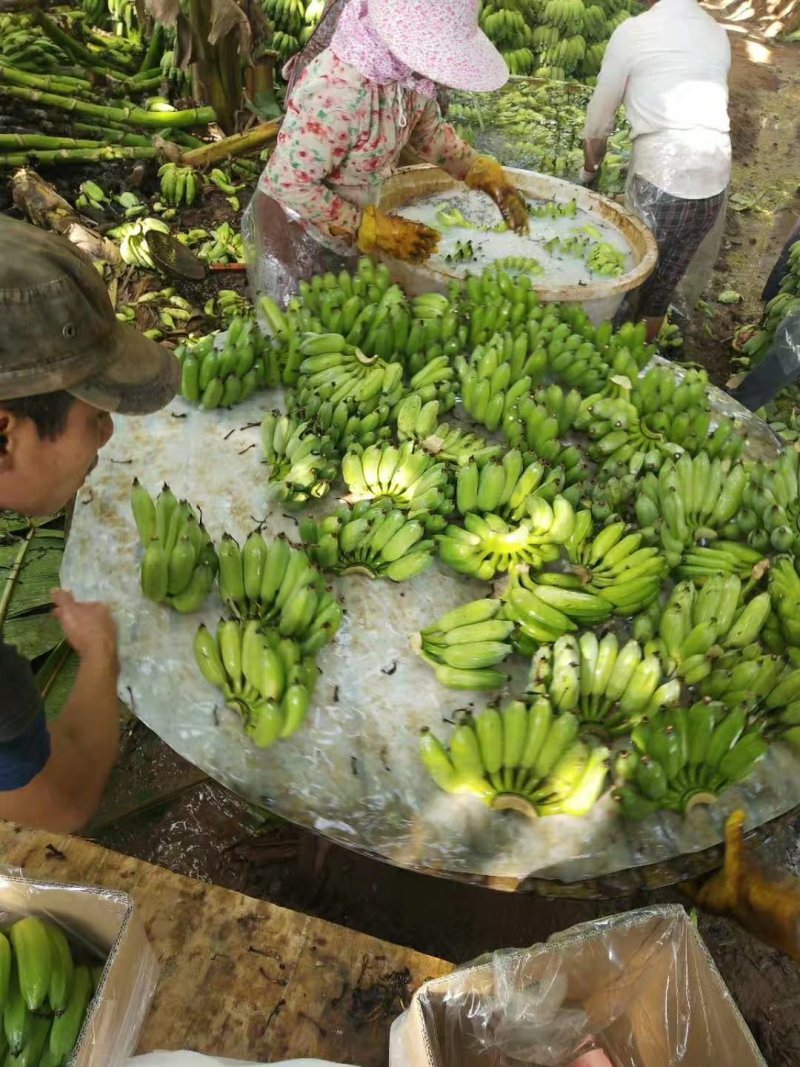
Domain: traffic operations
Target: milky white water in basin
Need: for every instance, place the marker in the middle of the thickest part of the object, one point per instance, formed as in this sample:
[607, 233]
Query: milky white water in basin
[559, 268]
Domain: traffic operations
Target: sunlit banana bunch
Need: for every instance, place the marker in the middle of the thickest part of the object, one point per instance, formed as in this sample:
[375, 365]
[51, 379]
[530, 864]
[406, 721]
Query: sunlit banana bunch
[617, 564]
[376, 539]
[413, 480]
[333, 370]
[686, 757]
[47, 992]
[179, 185]
[772, 495]
[784, 587]
[519, 757]
[132, 237]
[223, 370]
[278, 584]
[418, 421]
[179, 564]
[26, 47]
[487, 545]
[299, 462]
[505, 487]
[466, 645]
[263, 676]
[689, 506]
[699, 625]
[607, 687]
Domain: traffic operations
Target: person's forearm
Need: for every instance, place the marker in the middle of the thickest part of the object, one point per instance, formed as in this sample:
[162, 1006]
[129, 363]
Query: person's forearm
[89, 723]
[594, 152]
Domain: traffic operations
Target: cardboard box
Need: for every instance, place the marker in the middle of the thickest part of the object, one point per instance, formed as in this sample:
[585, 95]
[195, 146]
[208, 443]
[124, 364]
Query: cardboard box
[106, 920]
[651, 991]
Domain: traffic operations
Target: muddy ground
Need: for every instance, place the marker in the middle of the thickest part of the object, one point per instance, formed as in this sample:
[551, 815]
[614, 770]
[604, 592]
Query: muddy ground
[162, 809]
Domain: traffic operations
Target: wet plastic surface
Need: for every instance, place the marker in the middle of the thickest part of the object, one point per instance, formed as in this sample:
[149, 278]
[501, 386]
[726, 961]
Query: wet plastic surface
[353, 773]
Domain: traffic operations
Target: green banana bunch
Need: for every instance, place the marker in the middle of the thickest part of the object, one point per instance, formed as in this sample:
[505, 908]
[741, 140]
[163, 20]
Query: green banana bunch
[609, 689]
[375, 539]
[263, 675]
[95, 12]
[224, 245]
[27, 47]
[784, 588]
[505, 488]
[487, 545]
[687, 756]
[276, 584]
[226, 305]
[606, 261]
[698, 625]
[778, 705]
[743, 678]
[773, 494]
[409, 477]
[519, 757]
[485, 382]
[299, 469]
[342, 427]
[223, 182]
[333, 370]
[465, 646]
[417, 421]
[179, 564]
[44, 995]
[92, 196]
[222, 370]
[179, 185]
[544, 607]
[616, 564]
[435, 381]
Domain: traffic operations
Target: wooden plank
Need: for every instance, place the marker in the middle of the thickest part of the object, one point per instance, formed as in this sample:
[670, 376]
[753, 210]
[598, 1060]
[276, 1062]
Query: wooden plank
[243, 978]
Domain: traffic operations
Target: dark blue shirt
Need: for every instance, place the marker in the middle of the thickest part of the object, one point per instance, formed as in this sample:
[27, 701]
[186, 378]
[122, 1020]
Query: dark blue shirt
[24, 737]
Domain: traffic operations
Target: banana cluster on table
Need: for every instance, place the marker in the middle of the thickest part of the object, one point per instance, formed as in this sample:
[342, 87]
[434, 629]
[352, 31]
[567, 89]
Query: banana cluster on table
[222, 370]
[46, 989]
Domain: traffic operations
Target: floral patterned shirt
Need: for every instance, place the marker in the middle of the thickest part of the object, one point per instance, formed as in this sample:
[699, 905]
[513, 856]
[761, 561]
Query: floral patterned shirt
[341, 139]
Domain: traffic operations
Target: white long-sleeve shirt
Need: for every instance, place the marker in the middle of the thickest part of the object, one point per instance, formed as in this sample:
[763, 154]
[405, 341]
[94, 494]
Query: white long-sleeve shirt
[669, 66]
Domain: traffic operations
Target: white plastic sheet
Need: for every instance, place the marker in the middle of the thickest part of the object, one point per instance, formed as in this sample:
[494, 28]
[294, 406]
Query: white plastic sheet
[194, 1059]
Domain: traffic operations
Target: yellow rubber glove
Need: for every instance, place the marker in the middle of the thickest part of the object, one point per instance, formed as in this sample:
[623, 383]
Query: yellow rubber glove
[487, 175]
[397, 236]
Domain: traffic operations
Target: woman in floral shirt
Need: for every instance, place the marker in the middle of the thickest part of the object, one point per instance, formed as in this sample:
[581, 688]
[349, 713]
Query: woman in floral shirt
[357, 105]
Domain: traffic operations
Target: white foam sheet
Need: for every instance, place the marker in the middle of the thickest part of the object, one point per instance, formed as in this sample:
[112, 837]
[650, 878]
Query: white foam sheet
[352, 773]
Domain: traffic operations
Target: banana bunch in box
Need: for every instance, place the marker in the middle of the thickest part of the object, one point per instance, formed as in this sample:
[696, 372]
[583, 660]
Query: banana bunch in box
[684, 757]
[300, 464]
[505, 487]
[609, 688]
[519, 757]
[406, 475]
[262, 675]
[276, 584]
[45, 992]
[418, 421]
[466, 645]
[487, 545]
[179, 563]
[179, 185]
[376, 539]
[222, 375]
[699, 625]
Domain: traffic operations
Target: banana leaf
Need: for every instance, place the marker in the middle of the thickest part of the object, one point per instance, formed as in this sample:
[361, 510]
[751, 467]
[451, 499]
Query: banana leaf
[30, 559]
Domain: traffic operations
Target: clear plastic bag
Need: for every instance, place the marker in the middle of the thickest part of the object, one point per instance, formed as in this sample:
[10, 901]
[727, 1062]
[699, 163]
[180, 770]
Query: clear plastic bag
[779, 367]
[195, 1059]
[689, 235]
[280, 249]
[632, 990]
[102, 928]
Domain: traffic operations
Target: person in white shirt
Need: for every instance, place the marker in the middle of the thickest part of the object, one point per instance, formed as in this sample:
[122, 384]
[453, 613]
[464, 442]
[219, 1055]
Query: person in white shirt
[669, 67]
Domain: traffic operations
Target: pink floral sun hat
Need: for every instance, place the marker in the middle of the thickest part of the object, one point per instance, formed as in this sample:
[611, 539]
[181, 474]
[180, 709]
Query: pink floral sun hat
[440, 40]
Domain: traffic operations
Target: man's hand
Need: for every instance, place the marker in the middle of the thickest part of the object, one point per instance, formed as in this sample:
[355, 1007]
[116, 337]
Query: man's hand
[594, 152]
[89, 627]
